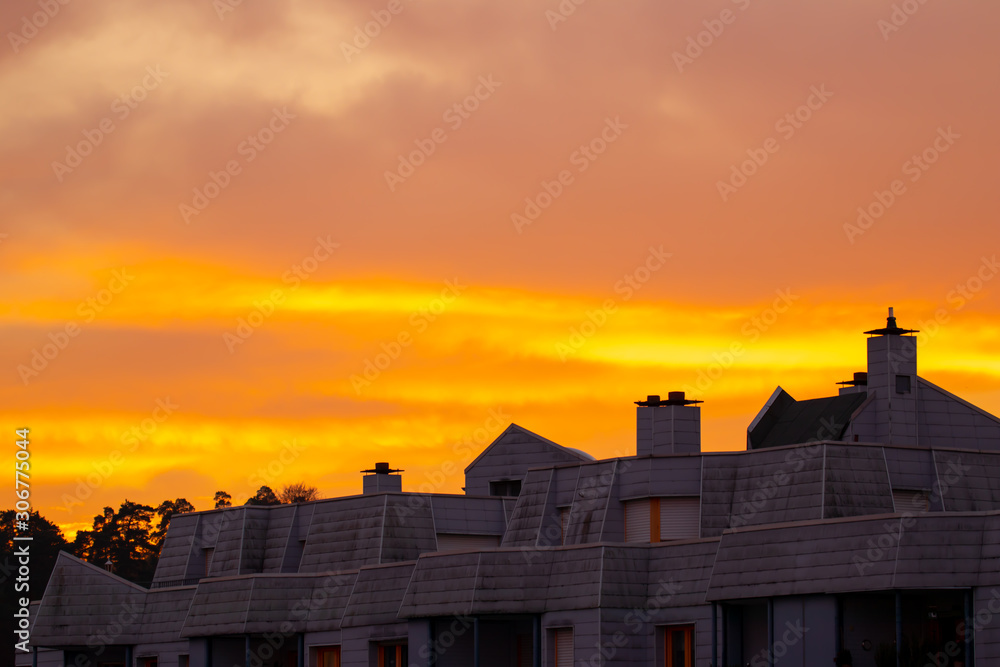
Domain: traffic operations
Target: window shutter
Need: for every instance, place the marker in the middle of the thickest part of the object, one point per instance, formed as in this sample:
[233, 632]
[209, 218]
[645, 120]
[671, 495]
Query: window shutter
[680, 518]
[906, 500]
[637, 521]
[451, 542]
[564, 647]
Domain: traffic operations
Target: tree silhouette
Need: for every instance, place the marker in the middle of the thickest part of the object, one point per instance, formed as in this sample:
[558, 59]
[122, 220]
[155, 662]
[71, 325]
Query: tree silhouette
[125, 538]
[47, 540]
[223, 499]
[264, 496]
[165, 510]
[46, 543]
[298, 493]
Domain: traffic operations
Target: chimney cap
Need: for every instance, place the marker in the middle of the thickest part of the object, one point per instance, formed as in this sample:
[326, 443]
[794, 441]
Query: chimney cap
[673, 398]
[382, 468]
[891, 329]
[860, 380]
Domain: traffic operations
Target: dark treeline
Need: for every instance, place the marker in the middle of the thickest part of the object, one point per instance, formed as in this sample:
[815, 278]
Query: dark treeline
[130, 537]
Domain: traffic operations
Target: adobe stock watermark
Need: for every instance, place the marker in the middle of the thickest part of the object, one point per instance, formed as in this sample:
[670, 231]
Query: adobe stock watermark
[636, 619]
[248, 149]
[786, 126]
[130, 440]
[37, 21]
[696, 44]
[793, 634]
[364, 34]
[470, 444]
[393, 349]
[915, 168]
[268, 474]
[225, 7]
[630, 283]
[898, 17]
[562, 12]
[793, 462]
[454, 116]
[59, 340]
[581, 158]
[982, 618]
[751, 330]
[266, 307]
[121, 108]
[892, 533]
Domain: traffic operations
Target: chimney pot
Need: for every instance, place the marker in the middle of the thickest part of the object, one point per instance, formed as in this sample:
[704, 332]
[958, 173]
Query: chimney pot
[675, 396]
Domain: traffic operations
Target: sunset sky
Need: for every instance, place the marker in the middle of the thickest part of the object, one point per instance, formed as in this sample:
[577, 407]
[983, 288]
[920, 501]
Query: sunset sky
[215, 216]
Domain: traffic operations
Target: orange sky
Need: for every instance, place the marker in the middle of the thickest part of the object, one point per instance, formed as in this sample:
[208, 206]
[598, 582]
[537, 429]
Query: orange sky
[233, 209]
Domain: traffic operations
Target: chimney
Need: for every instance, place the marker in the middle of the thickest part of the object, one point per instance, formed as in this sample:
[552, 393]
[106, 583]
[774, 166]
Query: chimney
[858, 385]
[672, 426]
[892, 377]
[380, 479]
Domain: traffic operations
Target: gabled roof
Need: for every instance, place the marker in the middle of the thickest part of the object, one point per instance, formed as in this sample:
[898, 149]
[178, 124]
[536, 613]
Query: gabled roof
[518, 433]
[785, 421]
[82, 600]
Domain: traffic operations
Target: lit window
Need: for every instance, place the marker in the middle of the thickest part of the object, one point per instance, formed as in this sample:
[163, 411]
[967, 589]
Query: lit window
[678, 645]
[209, 554]
[328, 656]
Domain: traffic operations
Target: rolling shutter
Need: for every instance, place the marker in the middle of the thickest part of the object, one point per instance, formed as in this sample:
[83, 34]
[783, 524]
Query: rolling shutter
[637, 521]
[564, 647]
[906, 500]
[451, 542]
[680, 518]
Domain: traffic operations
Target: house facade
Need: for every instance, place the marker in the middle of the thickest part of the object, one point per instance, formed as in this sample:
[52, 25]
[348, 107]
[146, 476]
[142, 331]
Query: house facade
[867, 521]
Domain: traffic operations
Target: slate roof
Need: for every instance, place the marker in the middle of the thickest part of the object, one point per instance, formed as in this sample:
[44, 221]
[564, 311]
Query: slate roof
[531, 581]
[881, 552]
[532, 504]
[788, 422]
[377, 595]
[514, 437]
[856, 481]
[590, 504]
[164, 613]
[264, 603]
[83, 601]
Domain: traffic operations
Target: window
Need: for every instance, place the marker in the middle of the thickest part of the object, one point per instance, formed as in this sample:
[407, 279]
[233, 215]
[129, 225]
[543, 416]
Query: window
[147, 662]
[183, 661]
[562, 647]
[392, 655]
[680, 518]
[638, 521]
[505, 487]
[328, 656]
[678, 646]
[209, 553]
[454, 542]
[661, 519]
[902, 384]
[907, 500]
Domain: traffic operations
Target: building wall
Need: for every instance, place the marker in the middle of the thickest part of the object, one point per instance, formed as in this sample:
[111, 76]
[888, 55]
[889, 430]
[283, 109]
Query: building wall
[511, 456]
[986, 612]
